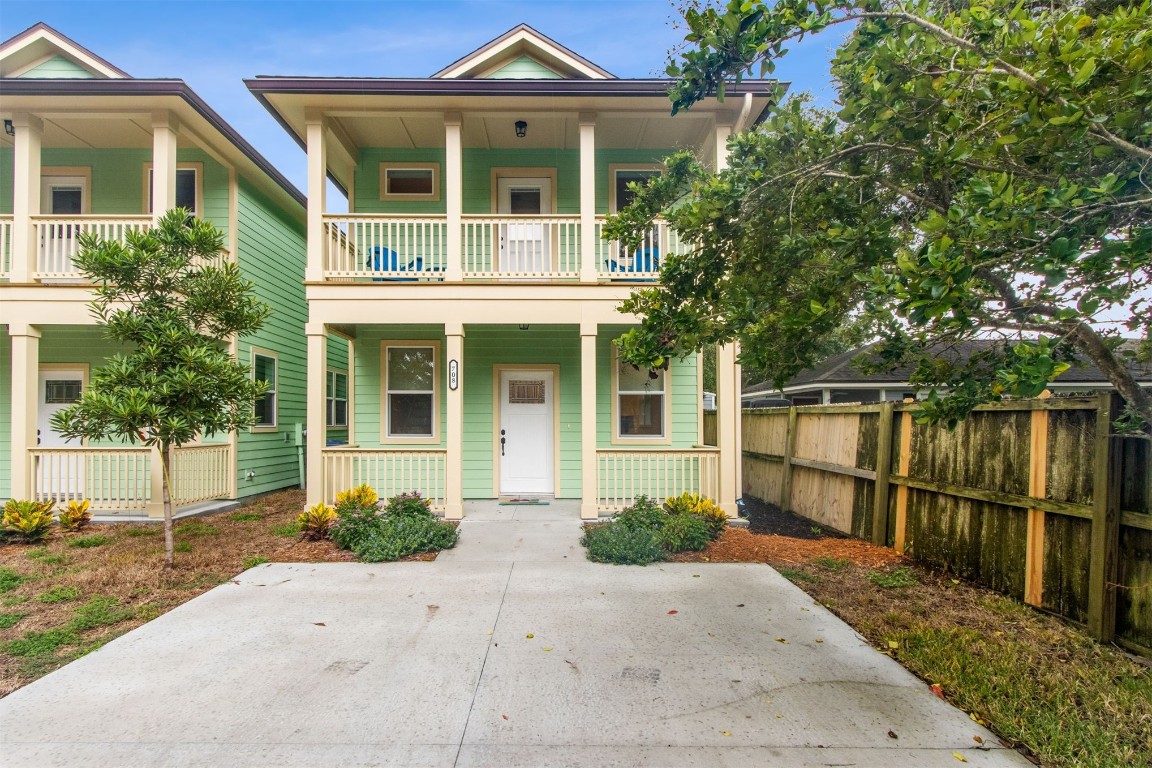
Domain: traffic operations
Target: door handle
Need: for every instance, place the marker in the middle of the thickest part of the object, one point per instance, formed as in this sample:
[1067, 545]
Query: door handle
[502, 441]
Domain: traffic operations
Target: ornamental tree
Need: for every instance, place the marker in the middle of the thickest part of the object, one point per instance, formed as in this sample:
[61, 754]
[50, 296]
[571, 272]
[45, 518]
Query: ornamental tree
[168, 295]
[988, 172]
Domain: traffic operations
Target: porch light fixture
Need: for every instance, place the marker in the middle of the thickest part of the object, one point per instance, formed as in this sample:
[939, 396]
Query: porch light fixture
[8, 128]
[523, 326]
[521, 129]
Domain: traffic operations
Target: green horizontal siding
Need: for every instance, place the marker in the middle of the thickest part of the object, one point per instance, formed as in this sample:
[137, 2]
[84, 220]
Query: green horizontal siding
[58, 66]
[523, 68]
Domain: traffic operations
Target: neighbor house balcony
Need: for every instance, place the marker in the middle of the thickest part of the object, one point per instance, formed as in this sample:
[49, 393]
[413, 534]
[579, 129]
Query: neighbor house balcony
[389, 248]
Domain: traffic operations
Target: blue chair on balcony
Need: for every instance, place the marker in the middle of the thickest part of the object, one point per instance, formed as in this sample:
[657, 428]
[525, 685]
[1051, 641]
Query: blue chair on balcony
[645, 261]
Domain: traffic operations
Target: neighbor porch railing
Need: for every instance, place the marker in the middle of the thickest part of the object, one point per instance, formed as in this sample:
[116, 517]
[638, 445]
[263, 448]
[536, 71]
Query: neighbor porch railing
[121, 479]
[657, 474]
[385, 247]
[543, 247]
[57, 240]
[5, 246]
[389, 472]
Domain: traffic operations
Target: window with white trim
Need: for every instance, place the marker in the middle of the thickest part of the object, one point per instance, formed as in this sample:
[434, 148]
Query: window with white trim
[640, 401]
[337, 399]
[264, 369]
[187, 189]
[410, 181]
[410, 390]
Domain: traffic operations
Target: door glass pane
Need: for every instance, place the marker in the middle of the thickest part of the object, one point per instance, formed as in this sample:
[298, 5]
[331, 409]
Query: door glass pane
[61, 391]
[524, 200]
[67, 201]
[410, 368]
[410, 415]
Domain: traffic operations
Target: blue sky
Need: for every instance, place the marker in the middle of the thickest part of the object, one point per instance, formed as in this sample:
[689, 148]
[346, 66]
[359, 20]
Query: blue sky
[214, 44]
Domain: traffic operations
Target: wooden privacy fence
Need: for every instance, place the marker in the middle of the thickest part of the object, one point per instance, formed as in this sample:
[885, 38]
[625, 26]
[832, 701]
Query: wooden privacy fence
[1034, 498]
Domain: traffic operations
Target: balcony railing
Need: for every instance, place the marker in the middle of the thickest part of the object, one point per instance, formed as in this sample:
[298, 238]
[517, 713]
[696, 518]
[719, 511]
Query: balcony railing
[389, 472]
[617, 262]
[657, 474]
[521, 247]
[57, 240]
[385, 248]
[5, 246]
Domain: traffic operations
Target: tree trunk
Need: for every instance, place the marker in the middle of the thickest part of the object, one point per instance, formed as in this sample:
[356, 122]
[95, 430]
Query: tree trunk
[1092, 345]
[166, 461]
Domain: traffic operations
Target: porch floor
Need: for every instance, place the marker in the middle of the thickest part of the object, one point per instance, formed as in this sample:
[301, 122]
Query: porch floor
[189, 510]
[492, 510]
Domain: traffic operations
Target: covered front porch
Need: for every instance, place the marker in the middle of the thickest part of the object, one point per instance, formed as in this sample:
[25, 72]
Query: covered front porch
[498, 411]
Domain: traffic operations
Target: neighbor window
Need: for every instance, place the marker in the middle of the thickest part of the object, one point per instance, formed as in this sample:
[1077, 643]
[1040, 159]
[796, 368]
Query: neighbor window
[264, 369]
[187, 189]
[337, 399]
[640, 401]
[410, 181]
[410, 390]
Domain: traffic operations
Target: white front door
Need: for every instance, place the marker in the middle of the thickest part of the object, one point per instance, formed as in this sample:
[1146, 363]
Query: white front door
[526, 432]
[61, 196]
[57, 390]
[524, 246]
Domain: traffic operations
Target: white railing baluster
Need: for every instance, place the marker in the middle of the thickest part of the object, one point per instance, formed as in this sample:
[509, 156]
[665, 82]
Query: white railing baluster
[389, 472]
[57, 240]
[658, 474]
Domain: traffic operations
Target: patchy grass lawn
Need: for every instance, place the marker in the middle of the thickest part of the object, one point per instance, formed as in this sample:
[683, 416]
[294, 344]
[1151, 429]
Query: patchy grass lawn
[72, 594]
[1045, 687]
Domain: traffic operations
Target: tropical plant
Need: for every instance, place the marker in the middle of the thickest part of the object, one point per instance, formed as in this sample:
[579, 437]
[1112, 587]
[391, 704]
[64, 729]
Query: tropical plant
[167, 295]
[315, 521]
[361, 496]
[701, 507]
[684, 532]
[74, 516]
[984, 176]
[29, 521]
[622, 545]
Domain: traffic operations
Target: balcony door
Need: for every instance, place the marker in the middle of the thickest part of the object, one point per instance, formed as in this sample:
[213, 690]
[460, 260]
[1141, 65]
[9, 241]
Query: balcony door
[61, 196]
[524, 246]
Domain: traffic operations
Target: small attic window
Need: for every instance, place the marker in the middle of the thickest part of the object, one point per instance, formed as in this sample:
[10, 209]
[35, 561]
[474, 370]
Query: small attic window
[409, 181]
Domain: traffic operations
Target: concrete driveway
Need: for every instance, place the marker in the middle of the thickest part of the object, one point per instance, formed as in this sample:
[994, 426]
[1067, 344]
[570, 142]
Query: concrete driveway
[510, 651]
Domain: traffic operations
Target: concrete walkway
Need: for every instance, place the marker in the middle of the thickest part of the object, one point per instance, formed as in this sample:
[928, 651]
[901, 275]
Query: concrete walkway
[511, 650]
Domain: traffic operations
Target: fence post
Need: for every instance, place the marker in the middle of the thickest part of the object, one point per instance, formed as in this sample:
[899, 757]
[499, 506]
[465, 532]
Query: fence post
[1105, 524]
[789, 449]
[883, 469]
[903, 468]
[1037, 489]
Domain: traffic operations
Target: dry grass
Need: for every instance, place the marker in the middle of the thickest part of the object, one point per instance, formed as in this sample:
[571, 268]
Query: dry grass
[77, 591]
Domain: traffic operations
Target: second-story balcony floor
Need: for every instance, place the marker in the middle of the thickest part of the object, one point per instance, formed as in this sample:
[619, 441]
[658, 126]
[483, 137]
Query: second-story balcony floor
[387, 248]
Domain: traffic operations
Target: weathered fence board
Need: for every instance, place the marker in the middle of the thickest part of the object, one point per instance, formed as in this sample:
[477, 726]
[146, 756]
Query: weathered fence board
[1028, 497]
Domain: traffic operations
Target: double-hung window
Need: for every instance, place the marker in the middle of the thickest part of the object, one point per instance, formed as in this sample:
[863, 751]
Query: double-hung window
[264, 369]
[187, 188]
[337, 399]
[410, 375]
[641, 402]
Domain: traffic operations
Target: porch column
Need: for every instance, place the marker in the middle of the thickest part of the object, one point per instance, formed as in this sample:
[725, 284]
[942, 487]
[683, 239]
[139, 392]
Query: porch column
[25, 372]
[588, 239]
[589, 470]
[728, 426]
[454, 461]
[164, 127]
[454, 195]
[316, 423]
[25, 198]
[316, 130]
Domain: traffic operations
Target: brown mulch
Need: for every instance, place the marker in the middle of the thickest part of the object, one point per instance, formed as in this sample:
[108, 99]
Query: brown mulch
[739, 545]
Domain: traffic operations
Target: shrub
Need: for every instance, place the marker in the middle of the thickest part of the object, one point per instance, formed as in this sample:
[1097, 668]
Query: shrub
[353, 523]
[396, 537]
[360, 496]
[643, 513]
[75, 516]
[27, 520]
[88, 542]
[409, 505]
[315, 521]
[684, 532]
[623, 545]
[700, 506]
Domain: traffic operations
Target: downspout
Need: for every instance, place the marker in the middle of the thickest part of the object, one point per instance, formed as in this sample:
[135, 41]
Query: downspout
[745, 113]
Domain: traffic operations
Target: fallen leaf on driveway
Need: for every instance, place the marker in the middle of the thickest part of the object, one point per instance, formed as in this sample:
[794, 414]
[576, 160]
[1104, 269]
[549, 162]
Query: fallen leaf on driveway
[673, 613]
[529, 635]
[504, 716]
[892, 735]
[781, 640]
[725, 733]
[959, 757]
[937, 689]
[547, 649]
[740, 605]
[319, 624]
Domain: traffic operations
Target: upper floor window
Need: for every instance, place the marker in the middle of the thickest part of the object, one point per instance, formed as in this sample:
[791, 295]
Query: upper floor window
[410, 181]
[187, 188]
[337, 399]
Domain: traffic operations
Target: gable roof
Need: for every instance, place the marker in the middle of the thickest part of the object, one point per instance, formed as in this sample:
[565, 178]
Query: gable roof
[841, 368]
[40, 44]
[522, 41]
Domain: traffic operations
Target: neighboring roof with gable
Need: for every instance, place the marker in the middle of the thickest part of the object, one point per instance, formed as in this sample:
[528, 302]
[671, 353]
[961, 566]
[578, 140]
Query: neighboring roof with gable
[841, 369]
[523, 42]
[41, 51]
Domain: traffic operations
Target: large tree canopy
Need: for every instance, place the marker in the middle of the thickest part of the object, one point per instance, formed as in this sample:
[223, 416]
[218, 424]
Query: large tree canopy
[987, 173]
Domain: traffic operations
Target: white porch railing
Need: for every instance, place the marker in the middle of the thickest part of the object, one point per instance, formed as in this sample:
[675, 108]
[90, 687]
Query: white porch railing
[657, 474]
[5, 246]
[57, 239]
[616, 262]
[521, 247]
[389, 472]
[121, 478]
[110, 478]
[202, 473]
[385, 247]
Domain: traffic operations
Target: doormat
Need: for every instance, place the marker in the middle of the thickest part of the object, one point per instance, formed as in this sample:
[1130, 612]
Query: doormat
[522, 501]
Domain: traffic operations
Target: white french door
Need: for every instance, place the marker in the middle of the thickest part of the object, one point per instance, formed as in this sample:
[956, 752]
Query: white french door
[61, 196]
[527, 462]
[524, 246]
[57, 389]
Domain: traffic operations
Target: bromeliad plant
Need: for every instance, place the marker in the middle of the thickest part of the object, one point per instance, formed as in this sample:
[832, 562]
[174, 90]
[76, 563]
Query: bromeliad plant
[701, 507]
[29, 521]
[361, 496]
[74, 516]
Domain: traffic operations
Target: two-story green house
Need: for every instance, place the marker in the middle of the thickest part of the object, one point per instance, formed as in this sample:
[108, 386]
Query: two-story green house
[87, 148]
[474, 290]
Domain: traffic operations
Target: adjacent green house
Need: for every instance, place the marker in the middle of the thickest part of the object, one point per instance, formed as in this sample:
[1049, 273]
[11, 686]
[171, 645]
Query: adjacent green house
[476, 297]
[87, 148]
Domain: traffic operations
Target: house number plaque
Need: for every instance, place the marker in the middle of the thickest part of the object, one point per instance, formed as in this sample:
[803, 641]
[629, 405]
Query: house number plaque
[453, 375]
